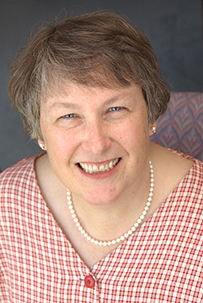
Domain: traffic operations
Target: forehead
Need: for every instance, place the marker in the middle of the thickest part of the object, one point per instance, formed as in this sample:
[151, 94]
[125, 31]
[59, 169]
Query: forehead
[78, 94]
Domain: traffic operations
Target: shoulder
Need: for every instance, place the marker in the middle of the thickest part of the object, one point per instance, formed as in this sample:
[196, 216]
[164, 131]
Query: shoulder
[18, 174]
[170, 164]
[172, 168]
[19, 190]
[193, 181]
[195, 172]
[17, 169]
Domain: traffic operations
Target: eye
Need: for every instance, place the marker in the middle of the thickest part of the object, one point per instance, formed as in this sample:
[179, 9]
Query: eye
[69, 120]
[116, 112]
[69, 116]
[115, 108]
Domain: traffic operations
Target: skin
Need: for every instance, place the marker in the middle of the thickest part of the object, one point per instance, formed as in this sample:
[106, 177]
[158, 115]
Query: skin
[95, 126]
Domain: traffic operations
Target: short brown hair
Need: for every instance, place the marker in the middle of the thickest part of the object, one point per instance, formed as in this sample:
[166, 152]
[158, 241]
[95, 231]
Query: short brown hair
[95, 49]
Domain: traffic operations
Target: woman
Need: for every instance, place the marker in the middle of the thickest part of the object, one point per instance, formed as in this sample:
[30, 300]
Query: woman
[103, 215]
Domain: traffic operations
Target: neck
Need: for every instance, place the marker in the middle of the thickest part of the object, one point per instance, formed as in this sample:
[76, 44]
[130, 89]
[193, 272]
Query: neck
[109, 221]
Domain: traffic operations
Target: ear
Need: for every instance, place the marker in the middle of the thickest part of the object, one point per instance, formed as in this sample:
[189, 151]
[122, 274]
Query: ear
[152, 128]
[42, 144]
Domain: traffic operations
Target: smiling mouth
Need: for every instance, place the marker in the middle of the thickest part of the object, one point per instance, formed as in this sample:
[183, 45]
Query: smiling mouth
[92, 169]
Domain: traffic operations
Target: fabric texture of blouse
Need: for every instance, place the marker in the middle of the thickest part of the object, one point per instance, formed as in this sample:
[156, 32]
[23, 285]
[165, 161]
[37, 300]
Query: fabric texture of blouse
[161, 262]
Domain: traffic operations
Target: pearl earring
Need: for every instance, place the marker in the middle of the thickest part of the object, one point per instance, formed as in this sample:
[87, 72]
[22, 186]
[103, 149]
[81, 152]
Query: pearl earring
[42, 146]
[154, 129]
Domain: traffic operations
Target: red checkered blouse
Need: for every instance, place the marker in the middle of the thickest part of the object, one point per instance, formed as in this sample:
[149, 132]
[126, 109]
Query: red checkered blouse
[161, 262]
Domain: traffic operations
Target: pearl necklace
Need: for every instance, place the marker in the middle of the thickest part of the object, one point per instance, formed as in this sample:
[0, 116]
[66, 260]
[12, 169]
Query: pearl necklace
[128, 233]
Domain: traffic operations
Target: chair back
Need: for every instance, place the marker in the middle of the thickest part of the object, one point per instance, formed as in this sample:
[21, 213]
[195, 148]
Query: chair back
[181, 126]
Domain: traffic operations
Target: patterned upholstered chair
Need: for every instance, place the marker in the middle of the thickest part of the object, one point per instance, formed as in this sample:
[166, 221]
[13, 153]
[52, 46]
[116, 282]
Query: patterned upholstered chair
[181, 127]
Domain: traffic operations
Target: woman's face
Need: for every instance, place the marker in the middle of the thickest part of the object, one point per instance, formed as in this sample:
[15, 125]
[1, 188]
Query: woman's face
[97, 140]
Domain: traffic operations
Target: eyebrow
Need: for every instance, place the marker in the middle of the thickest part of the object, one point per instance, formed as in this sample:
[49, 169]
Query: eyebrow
[76, 106]
[64, 104]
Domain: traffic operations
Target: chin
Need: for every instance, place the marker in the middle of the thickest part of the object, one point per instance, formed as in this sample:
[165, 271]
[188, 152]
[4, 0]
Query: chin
[101, 196]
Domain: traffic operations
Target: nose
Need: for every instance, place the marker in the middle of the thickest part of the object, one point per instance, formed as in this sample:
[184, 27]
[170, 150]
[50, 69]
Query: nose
[96, 138]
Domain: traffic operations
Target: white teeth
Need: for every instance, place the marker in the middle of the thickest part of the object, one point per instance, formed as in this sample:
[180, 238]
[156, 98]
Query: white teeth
[106, 168]
[102, 168]
[111, 165]
[90, 169]
[95, 169]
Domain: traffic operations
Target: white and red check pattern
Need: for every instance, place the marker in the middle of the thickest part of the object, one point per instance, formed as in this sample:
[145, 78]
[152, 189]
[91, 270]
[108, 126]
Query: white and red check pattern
[161, 262]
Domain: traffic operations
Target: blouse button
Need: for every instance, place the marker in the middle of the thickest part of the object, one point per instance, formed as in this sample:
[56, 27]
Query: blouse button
[89, 281]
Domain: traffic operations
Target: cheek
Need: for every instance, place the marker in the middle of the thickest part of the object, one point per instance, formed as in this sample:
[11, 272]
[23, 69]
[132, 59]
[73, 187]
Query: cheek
[133, 134]
[59, 143]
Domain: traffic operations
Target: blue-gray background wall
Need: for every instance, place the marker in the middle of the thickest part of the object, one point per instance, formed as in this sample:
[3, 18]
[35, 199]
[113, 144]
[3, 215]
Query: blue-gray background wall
[174, 28]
